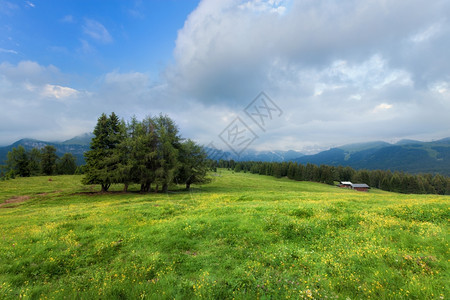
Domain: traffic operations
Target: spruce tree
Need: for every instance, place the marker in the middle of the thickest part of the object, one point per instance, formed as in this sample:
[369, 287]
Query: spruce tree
[193, 164]
[48, 160]
[168, 146]
[18, 162]
[66, 164]
[102, 158]
[35, 162]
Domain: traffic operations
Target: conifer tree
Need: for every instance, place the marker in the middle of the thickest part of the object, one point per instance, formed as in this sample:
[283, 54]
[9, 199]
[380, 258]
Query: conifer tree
[18, 162]
[66, 164]
[194, 165]
[102, 158]
[167, 149]
[48, 160]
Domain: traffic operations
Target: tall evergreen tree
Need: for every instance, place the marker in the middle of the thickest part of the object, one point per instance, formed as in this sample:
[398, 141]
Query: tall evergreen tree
[440, 184]
[35, 161]
[66, 164]
[194, 164]
[299, 171]
[291, 170]
[18, 162]
[168, 146]
[144, 142]
[385, 183]
[396, 183]
[48, 160]
[102, 158]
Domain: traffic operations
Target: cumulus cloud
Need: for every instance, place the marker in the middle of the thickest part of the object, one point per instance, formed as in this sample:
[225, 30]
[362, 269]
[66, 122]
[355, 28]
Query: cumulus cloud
[32, 99]
[331, 65]
[38, 101]
[341, 71]
[58, 92]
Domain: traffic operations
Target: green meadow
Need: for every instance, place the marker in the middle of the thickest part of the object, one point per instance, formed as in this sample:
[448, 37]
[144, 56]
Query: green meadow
[242, 236]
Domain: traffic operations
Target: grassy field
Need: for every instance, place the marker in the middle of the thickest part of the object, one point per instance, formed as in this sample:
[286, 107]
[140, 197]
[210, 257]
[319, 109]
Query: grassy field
[242, 236]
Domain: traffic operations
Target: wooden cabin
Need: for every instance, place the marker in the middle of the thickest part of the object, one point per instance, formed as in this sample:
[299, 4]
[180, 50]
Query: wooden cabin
[362, 187]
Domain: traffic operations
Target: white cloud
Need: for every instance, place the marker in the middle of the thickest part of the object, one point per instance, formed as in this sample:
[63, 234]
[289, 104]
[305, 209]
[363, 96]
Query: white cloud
[427, 33]
[30, 4]
[28, 92]
[261, 6]
[342, 71]
[8, 51]
[329, 64]
[382, 107]
[97, 31]
[58, 92]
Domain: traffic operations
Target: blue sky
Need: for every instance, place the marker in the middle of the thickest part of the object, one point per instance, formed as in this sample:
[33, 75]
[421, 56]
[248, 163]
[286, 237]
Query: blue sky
[338, 71]
[89, 37]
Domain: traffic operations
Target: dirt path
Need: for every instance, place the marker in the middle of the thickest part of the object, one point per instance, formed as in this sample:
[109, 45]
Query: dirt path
[19, 199]
[15, 199]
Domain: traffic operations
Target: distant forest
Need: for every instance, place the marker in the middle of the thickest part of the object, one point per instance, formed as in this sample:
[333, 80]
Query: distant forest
[398, 182]
[35, 162]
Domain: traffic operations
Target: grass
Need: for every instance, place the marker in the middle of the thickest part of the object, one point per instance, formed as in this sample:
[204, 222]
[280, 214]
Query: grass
[242, 236]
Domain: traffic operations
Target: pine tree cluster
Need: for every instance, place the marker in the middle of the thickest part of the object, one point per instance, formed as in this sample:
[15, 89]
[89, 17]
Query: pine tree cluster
[144, 152]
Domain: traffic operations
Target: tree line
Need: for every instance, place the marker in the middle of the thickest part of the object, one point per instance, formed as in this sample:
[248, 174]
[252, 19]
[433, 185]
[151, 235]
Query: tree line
[399, 182]
[144, 152]
[34, 162]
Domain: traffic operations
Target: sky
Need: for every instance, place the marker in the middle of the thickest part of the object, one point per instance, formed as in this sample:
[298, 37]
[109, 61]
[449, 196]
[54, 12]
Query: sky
[233, 74]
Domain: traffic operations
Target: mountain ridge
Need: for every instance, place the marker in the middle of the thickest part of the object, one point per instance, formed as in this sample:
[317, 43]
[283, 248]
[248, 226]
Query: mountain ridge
[406, 155]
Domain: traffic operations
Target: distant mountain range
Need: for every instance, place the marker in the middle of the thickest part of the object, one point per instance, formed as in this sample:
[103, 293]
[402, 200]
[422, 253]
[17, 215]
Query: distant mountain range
[253, 155]
[406, 155]
[77, 146]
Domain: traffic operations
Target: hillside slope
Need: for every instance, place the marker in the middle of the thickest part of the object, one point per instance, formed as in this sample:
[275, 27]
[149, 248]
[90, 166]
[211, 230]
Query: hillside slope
[242, 236]
[408, 156]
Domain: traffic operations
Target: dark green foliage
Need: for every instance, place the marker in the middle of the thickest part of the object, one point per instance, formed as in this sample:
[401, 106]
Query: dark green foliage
[440, 184]
[385, 180]
[411, 157]
[141, 143]
[48, 160]
[66, 164]
[299, 171]
[145, 153]
[18, 163]
[167, 150]
[194, 164]
[34, 162]
[103, 159]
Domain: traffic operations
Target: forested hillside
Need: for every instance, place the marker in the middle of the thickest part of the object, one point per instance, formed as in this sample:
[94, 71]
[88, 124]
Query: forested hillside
[408, 156]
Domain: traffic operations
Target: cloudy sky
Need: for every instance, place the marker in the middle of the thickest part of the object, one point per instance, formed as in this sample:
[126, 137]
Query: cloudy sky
[333, 71]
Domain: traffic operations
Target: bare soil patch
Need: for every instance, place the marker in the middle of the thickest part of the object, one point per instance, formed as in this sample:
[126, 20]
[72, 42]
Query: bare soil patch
[15, 199]
[19, 199]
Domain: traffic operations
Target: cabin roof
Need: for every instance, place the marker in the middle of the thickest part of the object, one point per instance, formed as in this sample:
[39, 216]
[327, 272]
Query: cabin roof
[359, 185]
[346, 182]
